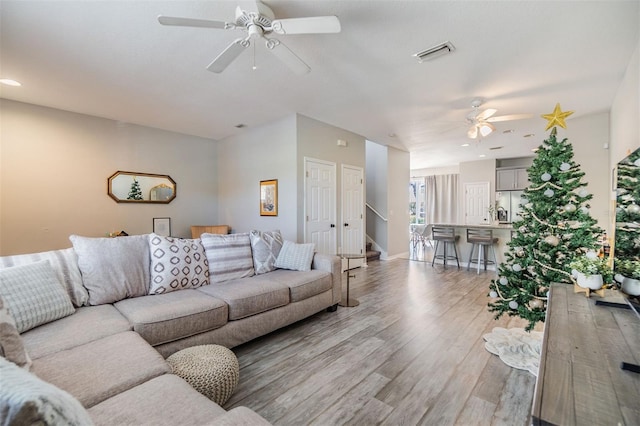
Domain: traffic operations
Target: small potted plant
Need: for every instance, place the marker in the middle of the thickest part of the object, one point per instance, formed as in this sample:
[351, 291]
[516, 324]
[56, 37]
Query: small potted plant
[628, 275]
[590, 271]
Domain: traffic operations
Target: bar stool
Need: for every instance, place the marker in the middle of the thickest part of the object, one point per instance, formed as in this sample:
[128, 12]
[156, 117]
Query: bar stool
[483, 240]
[446, 235]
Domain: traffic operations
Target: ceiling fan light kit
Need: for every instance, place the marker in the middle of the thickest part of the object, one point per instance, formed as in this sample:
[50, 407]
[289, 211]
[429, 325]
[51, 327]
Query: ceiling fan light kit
[481, 121]
[258, 21]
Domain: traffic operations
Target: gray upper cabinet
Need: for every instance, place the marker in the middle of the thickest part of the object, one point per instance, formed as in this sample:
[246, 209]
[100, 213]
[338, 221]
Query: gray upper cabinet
[511, 179]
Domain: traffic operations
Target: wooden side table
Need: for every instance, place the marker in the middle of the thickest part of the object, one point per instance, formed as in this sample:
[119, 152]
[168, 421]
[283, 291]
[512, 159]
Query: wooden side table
[349, 302]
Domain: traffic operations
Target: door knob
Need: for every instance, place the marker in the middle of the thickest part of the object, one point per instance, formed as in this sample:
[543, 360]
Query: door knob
[333, 225]
[346, 224]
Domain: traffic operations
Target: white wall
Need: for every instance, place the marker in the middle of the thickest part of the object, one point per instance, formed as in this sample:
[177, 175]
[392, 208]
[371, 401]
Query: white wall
[588, 136]
[377, 192]
[261, 153]
[54, 170]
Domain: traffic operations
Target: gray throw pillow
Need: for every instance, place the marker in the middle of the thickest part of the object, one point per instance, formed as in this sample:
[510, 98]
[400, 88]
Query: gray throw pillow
[265, 247]
[176, 264]
[27, 400]
[11, 345]
[113, 268]
[229, 256]
[33, 295]
[297, 257]
[64, 262]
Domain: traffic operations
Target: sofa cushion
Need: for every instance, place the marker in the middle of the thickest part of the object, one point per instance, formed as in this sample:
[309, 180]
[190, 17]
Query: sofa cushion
[167, 317]
[249, 296]
[229, 256]
[165, 400]
[296, 257]
[302, 285]
[113, 268]
[27, 400]
[11, 344]
[103, 368]
[34, 295]
[265, 247]
[64, 263]
[176, 264]
[89, 323]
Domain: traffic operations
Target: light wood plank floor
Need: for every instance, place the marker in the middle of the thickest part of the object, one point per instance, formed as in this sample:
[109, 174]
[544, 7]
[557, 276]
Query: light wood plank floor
[411, 353]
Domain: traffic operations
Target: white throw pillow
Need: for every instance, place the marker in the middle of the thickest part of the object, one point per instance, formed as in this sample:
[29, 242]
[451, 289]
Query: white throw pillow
[265, 247]
[297, 257]
[176, 264]
[113, 268]
[33, 295]
[27, 400]
[229, 256]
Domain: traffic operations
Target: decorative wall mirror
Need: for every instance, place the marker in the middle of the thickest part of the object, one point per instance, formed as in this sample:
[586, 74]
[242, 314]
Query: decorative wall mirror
[627, 234]
[131, 187]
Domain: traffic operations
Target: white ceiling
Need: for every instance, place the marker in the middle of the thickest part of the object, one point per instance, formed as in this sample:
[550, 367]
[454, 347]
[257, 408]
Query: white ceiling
[113, 59]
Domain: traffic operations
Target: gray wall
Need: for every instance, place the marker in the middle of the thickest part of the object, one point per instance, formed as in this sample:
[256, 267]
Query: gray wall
[261, 153]
[54, 170]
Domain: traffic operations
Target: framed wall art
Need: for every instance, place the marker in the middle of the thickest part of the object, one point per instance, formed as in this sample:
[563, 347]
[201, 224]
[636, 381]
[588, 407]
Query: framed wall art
[269, 197]
[162, 226]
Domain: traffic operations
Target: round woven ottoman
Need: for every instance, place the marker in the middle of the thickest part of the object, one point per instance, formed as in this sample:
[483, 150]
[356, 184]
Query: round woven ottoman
[212, 370]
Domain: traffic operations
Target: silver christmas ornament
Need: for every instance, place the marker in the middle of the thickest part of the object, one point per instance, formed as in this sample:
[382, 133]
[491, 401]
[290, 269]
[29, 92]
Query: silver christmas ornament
[549, 193]
[504, 281]
[633, 208]
[570, 208]
[516, 267]
[552, 240]
[565, 166]
[546, 177]
[493, 294]
[513, 304]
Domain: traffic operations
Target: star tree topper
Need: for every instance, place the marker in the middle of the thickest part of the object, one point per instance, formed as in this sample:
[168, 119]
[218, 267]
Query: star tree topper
[557, 117]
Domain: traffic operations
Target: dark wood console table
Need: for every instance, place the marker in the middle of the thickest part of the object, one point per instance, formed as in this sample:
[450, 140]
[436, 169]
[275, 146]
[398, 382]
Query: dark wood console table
[580, 381]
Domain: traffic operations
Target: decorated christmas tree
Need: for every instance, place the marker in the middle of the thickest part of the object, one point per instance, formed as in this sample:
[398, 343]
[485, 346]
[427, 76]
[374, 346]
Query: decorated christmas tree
[627, 210]
[554, 228]
[135, 193]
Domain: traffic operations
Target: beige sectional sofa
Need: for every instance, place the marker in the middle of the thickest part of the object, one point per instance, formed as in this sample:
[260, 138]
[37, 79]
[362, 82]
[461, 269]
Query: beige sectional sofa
[109, 353]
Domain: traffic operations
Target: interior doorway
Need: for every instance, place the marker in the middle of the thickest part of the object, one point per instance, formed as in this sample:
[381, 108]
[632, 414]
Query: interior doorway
[320, 205]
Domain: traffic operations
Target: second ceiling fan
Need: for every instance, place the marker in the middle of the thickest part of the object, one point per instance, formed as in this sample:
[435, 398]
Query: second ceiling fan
[480, 121]
[258, 21]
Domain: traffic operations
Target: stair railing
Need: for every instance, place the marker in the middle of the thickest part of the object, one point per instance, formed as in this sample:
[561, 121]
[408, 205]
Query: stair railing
[376, 212]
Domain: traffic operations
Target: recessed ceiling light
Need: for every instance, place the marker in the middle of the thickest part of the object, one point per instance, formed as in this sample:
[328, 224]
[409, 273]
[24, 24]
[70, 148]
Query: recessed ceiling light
[10, 82]
[508, 131]
[481, 155]
[392, 135]
[240, 126]
[529, 135]
[465, 144]
[493, 148]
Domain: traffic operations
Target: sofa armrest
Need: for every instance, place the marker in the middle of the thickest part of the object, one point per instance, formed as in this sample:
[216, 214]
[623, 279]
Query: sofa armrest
[333, 264]
[240, 416]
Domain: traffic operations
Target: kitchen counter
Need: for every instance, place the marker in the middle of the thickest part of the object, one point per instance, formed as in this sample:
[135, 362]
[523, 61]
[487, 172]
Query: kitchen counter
[480, 225]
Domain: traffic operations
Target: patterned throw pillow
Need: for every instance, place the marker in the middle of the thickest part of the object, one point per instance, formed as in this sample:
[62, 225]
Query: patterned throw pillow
[229, 256]
[11, 345]
[265, 247]
[64, 262]
[26, 399]
[113, 268]
[33, 295]
[297, 257]
[176, 264]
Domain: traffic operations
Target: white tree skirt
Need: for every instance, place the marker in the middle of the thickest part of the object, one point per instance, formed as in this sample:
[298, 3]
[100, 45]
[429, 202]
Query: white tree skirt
[515, 347]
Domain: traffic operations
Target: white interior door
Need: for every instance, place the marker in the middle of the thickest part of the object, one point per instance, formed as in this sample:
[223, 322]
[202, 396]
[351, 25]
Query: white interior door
[353, 212]
[476, 203]
[320, 205]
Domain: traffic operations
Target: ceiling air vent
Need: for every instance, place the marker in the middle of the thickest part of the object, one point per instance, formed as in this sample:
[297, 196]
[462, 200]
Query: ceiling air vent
[435, 52]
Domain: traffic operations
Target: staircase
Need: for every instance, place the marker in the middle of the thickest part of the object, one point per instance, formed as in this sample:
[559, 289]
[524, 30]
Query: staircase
[372, 254]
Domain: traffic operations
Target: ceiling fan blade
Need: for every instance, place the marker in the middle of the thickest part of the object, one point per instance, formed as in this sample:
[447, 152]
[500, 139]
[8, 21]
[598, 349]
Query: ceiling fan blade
[228, 55]
[311, 25]
[486, 114]
[190, 22]
[509, 117]
[472, 133]
[289, 58]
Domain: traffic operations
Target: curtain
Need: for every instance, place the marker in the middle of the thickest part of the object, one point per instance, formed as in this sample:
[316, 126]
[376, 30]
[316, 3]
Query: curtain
[441, 204]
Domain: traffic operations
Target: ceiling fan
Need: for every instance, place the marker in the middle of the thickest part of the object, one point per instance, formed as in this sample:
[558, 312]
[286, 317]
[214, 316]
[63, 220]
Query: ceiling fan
[258, 21]
[480, 121]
